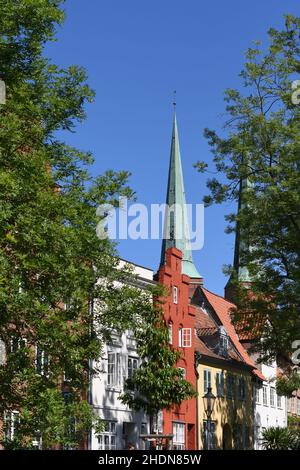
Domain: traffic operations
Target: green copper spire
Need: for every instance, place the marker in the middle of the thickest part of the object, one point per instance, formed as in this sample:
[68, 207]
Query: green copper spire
[176, 229]
[241, 245]
[240, 270]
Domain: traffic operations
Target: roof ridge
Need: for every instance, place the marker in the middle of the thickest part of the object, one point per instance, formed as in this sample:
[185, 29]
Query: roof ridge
[218, 295]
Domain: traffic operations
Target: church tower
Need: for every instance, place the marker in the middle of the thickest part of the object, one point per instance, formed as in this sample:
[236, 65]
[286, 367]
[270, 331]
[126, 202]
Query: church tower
[176, 227]
[240, 270]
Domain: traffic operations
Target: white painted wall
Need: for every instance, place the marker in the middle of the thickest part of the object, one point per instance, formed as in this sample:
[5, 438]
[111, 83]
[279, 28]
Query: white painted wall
[105, 398]
[265, 414]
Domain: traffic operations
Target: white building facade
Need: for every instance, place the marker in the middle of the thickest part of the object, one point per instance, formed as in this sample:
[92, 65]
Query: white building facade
[270, 409]
[123, 426]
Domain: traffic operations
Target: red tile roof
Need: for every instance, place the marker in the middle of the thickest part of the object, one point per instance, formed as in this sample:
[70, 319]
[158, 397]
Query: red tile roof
[222, 308]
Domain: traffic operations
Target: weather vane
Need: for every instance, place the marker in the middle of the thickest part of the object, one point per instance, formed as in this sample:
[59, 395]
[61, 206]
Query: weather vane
[174, 99]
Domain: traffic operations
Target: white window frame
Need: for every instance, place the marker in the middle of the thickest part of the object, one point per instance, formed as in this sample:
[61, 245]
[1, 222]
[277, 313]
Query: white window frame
[272, 397]
[178, 435]
[257, 394]
[44, 362]
[134, 365]
[12, 418]
[185, 337]
[170, 331]
[107, 440]
[265, 395]
[206, 379]
[114, 376]
[175, 295]
[279, 401]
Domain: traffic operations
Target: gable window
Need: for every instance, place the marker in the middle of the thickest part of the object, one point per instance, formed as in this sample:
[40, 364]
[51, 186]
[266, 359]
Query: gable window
[206, 379]
[41, 361]
[113, 369]
[170, 330]
[265, 396]
[175, 295]
[242, 389]
[132, 365]
[230, 386]
[178, 436]
[107, 440]
[220, 384]
[185, 337]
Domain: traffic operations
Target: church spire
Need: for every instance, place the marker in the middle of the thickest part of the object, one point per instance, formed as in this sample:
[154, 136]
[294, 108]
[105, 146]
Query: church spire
[176, 229]
[241, 246]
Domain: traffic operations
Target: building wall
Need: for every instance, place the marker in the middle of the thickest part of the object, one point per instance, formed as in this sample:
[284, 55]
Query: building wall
[233, 417]
[269, 410]
[180, 315]
[123, 426]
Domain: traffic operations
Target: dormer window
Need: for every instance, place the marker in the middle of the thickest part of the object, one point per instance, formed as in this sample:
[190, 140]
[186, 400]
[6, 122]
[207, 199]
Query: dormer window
[223, 340]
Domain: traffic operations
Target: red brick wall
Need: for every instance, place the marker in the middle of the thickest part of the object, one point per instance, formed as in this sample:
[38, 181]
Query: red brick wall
[182, 315]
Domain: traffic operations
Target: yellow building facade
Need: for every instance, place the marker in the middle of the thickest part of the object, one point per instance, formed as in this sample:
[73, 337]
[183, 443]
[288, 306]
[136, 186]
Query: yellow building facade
[231, 425]
[224, 367]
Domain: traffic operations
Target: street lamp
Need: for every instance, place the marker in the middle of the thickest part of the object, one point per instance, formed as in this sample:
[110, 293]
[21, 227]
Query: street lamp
[208, 401]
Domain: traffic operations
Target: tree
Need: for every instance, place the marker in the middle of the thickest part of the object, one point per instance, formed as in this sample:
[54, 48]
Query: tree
[261, 145]
[50, 255]
[157, 384]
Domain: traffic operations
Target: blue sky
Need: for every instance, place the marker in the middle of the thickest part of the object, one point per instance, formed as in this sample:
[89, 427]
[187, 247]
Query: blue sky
[136, 53]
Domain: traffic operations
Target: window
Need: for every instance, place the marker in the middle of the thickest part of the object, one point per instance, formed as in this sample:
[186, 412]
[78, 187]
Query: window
[178, 436]
[209, 434]
[257, 437]
[185, 337]
[279, 402]
[220, 384]
[239, 437]
[158, 423]
[230, 386]
[12, 420]
[41, 361]
[132, 365]
[17, 343]
[170, 330]
[242, 389]
[265, 396]
[108, 439]
[298, 406]
[113, 369]
[272, 397]
[206, 379]
[182, 372]
[175, 295]
[256, 394]
[223, 338]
